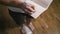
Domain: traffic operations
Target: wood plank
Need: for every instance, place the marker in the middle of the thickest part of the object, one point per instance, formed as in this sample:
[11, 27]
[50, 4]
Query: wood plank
[47, 23]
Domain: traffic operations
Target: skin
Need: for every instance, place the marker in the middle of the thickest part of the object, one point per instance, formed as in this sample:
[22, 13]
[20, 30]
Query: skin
[28, 8]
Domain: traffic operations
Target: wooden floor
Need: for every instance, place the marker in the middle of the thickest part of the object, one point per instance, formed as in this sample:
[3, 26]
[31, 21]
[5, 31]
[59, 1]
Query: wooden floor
[46, 23]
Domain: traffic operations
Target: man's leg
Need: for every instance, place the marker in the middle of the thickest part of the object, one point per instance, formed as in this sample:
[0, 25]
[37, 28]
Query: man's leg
[29, 23]
[19, 18]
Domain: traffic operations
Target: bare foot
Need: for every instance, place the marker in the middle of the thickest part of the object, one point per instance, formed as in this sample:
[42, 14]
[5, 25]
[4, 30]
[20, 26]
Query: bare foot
[31, 26]
[26, 30]
[23, 30]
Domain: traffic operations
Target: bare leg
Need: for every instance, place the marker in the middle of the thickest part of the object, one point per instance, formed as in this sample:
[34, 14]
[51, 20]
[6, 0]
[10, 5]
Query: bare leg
[26, 30]
[23, 30]
[31, 26]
